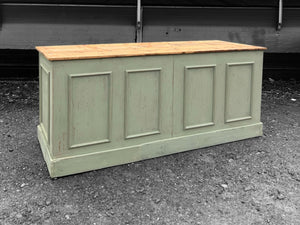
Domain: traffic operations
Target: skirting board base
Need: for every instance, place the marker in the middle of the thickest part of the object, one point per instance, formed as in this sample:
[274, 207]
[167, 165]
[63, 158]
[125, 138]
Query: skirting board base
[86, 162]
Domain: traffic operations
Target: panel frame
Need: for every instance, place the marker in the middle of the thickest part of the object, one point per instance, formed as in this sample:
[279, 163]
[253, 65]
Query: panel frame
[226, 120]
[70, 115]
[186, 68]
[46, 133]
[158, 131]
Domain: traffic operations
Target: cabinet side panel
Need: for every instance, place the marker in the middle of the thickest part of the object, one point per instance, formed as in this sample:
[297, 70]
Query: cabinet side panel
[45, 102]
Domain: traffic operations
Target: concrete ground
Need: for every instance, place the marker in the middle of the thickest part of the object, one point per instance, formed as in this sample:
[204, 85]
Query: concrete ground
[255, 181]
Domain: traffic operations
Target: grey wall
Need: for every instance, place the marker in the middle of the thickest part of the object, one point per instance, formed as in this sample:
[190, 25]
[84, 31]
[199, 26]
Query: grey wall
[27, 26]
[24, 26]
[244, 25]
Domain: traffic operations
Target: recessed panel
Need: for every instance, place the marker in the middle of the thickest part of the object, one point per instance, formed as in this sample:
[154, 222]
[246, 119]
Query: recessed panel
[142, 102]
[89, 109]
[198, 96]
[45, 102]
[238, 91]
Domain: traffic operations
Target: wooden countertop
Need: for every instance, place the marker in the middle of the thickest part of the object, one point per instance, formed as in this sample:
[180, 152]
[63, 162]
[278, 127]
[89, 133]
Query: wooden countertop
[96, 51]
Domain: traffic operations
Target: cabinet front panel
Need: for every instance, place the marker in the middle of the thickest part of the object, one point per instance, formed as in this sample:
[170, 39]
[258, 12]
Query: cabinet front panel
[215, 91]
[238, 87]
[111, 103]
[89, 109]
[142, 103]
[198, 102]
[195, 89]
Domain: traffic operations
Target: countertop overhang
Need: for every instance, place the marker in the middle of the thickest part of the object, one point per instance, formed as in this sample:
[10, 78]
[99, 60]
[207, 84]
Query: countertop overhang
[98, 51]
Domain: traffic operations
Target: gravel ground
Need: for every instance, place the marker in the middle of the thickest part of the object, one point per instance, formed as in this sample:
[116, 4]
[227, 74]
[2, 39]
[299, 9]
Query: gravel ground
[255, 181]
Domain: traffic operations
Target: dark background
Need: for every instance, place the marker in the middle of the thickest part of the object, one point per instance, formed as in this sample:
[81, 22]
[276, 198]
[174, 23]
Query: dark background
[26, 24]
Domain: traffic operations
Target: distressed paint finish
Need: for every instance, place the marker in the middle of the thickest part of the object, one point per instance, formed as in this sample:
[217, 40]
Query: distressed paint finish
[45, 102]
[238, 91]
[96, 113]
[142, 102]
[89, 121]
[198, 100]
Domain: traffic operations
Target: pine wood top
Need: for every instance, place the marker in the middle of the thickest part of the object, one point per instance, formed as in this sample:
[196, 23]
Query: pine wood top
[71, 52]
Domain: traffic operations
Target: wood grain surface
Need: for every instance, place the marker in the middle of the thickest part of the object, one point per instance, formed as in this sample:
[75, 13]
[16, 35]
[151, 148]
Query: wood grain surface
[72, 52]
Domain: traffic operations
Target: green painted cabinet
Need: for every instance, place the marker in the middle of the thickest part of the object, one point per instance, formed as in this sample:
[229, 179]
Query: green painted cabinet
[101, 112]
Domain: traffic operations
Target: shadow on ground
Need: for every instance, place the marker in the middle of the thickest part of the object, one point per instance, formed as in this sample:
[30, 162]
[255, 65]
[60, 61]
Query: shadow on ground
[255, 181]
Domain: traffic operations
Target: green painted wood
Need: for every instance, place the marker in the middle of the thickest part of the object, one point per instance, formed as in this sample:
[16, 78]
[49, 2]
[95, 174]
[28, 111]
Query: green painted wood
[88, 108]
[101, 159]
[105, 112]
